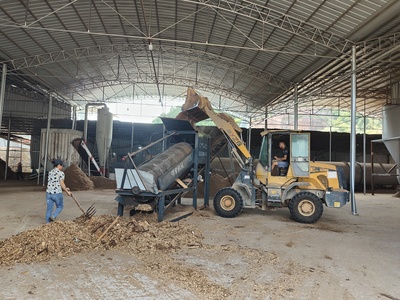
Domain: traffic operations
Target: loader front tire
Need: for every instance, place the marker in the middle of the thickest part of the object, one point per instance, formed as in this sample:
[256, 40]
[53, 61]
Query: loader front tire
[306, 208]
[228, 203]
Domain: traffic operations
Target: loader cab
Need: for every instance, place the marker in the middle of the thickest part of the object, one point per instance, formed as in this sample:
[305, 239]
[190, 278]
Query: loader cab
[298, 146]
[274, 144]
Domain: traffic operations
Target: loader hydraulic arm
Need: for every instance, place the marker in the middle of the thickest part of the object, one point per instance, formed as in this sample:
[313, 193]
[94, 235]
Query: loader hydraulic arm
[198, 108]
[229, 132]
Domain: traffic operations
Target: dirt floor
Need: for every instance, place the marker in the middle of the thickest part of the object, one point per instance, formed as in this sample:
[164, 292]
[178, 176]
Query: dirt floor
[257, 255]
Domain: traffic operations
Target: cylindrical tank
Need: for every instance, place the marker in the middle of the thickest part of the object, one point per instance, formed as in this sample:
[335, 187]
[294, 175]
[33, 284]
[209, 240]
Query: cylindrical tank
[104, 129]
[219, 169]
[359, 178]
[390, 125]
[169, 165]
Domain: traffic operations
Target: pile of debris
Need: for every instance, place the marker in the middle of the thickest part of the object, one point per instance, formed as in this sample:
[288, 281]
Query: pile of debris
[76, 180]
[103, 183]
[61, 239]
[217, 182]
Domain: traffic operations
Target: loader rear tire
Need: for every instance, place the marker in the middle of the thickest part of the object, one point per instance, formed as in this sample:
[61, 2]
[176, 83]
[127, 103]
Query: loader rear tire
[306, 208]
[228, 203]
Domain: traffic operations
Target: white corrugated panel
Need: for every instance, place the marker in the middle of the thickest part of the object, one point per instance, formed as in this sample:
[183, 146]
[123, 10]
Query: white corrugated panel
[60, 145]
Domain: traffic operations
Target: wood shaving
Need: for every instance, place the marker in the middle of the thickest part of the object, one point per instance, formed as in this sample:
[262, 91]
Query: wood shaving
[61, 239]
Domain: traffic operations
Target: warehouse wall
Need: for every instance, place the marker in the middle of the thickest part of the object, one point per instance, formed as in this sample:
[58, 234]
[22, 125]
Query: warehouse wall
[145, 134]
[26, 108]
[29, 104]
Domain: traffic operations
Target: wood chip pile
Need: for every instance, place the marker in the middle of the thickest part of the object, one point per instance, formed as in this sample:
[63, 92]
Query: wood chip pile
[103, 183]
[61, 239]
[76, 180]
[217, 182]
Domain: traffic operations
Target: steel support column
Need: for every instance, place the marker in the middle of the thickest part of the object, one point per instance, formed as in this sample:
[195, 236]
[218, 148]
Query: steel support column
[365, 154]
[330, 143]
[132, 135]
[2, 91]
[73, 117]
[249, 135]
[46, 147]
[295, 110]
[266, 118]
[8, 148]
[353, 131]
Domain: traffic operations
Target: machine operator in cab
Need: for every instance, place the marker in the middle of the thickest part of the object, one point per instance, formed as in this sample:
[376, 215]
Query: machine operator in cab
[281, 160]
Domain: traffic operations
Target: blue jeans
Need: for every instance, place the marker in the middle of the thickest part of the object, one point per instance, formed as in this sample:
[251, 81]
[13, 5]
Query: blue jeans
[283, 164]
[52, 199]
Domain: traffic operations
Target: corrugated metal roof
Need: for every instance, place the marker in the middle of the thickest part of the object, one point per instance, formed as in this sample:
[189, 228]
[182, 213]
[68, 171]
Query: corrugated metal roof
[250, 52]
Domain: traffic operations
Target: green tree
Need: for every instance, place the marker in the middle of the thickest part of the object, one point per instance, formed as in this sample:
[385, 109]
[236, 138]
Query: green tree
[172, 113]
[342, 123]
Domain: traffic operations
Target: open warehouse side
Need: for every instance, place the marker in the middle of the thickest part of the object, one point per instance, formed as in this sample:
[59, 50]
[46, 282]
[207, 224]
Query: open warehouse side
[193, 149]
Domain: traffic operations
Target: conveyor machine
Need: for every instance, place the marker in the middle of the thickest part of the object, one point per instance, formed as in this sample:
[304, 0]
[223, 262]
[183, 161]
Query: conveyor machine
[160, 182]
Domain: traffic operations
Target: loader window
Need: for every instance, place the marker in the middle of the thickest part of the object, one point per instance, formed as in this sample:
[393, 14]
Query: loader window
[264, 152]
[300, 158]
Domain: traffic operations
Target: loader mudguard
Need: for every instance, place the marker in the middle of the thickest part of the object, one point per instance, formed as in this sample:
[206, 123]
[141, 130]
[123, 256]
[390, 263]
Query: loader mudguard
[244, 185]
[290, 189]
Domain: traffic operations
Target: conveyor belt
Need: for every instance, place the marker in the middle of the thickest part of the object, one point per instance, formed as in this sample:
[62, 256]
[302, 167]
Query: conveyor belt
[85, 154]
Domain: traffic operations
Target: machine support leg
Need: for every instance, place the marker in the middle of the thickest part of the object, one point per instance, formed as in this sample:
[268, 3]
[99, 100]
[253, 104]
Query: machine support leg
[161, 208]
[195, 170]
[120, 211]
[207, 177]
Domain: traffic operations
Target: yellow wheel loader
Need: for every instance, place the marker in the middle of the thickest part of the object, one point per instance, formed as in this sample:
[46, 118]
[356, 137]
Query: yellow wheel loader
[301, 185]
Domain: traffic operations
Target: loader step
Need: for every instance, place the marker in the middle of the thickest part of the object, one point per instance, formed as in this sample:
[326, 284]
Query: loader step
[274, 204]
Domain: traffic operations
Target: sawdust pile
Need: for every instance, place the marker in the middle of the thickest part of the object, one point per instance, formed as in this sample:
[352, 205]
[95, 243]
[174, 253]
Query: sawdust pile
[61, 239]
[217, 182]
[103, 183]
[76, 180]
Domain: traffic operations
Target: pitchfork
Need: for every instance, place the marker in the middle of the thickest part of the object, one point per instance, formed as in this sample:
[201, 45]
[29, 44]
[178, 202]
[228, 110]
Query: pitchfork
[90, 212]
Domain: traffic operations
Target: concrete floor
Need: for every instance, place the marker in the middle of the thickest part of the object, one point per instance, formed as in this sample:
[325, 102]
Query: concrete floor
[257, 255]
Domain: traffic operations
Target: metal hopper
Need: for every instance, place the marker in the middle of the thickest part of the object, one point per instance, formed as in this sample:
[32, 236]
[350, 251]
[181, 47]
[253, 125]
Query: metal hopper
[391, 127]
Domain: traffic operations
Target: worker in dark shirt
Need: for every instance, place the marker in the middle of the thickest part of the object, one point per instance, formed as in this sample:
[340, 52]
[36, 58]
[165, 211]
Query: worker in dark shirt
[282, 161]
[19, 172]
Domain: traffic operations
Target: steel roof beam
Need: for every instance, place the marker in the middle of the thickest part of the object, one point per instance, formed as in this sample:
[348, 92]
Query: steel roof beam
[276, 19]
[108, 50]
